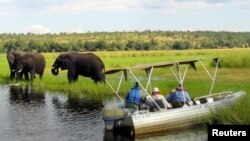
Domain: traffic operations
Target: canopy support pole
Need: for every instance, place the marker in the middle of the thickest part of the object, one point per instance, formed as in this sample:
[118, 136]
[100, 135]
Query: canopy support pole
[149, 79]
[181, 78]
[211, 77]
[144, 89]
[116, 91]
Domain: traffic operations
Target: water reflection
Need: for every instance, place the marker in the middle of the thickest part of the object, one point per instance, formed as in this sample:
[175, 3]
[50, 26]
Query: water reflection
[79, 114]
[76, 104]
[27, 114]
[25, 94]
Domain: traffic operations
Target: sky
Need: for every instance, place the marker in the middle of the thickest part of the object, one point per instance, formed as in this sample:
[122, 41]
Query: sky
[56, 16]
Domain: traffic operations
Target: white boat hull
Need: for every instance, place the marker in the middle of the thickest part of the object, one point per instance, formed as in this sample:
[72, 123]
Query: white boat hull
[142, 122]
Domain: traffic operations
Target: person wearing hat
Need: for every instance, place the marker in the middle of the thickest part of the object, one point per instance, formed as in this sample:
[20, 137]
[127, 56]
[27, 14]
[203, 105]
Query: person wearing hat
[156, 95]
[133, 98]
[179, 97]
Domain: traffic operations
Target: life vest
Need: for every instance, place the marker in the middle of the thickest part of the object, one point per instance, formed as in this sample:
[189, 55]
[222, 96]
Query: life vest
[134, 96]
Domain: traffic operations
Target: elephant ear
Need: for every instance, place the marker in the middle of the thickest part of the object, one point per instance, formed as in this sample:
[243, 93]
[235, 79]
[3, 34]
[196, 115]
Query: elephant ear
[22, 59]
[66, 62]
[11, 57]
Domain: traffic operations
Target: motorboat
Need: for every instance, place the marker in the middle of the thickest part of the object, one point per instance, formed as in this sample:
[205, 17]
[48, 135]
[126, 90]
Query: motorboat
[144, 120]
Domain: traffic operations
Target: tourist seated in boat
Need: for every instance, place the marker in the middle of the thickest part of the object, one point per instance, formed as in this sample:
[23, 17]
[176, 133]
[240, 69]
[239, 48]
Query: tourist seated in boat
[159, 100]
[179, 97]
[172, 91]
[133, 98]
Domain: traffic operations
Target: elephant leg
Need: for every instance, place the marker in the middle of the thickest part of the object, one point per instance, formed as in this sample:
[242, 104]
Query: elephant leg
[94, 78]
[26, 75]
[32, 75]
[18, 76]
[41, 75]
[98, 77]
[76, 77]
[12, 74]
[70, 76]
[21, 75]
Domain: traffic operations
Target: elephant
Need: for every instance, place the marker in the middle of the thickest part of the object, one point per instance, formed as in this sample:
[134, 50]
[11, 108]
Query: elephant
[87, 65]
[34, 63]
[11, 55]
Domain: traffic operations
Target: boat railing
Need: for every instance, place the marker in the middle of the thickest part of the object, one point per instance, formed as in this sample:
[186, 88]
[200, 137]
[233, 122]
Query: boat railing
[213, 95]
[228, 96]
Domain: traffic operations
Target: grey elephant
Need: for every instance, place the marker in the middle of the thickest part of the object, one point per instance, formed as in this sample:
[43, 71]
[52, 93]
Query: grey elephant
[88, 65]
[11, 56]
[34, 63]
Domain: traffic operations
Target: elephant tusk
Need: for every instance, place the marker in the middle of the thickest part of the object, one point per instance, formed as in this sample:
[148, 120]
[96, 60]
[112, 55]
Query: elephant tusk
[53, 68]
[20, 71]
[13, 70]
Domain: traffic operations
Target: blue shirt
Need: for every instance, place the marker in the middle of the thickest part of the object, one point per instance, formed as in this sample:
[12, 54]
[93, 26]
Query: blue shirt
[178, 96]
[134, 96]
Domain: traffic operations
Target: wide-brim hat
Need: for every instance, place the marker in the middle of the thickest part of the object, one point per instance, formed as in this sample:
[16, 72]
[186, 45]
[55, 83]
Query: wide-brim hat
[155, 90]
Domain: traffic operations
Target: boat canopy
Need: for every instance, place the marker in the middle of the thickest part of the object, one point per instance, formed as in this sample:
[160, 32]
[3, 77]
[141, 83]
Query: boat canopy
[149, 69]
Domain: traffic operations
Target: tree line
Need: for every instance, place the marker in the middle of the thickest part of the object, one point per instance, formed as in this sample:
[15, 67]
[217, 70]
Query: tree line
[116, 41]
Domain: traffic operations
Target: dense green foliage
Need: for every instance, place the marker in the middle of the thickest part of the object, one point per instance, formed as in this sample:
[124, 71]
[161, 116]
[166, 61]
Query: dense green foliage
[114, 41]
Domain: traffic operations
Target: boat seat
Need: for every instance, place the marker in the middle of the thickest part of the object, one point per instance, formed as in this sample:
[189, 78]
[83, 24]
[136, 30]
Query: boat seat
[160, 103]
[203, 100]
[177, 104]
[154, 107]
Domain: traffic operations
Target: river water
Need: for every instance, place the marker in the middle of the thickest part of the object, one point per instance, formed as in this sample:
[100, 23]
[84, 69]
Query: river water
[28, 115]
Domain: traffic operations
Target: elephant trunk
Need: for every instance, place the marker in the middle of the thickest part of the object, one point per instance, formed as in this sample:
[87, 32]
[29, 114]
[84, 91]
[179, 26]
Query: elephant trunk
[19, 71]
[55, 71]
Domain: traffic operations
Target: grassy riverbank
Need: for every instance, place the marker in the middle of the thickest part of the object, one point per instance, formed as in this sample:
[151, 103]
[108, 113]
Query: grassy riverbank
[233, 76]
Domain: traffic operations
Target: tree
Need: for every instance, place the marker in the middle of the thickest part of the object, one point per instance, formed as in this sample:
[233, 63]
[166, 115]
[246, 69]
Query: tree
[89, 46]
[130, 45]
[114, 46]
[8, 45]
[56, 47]
[248, 42]
[21, 44]
[153, 43]
[178, 45]
[101, 45]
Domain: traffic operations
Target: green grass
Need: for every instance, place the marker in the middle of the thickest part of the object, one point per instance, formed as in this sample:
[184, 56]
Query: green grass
[233, 76]
[236, 58]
